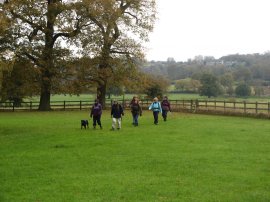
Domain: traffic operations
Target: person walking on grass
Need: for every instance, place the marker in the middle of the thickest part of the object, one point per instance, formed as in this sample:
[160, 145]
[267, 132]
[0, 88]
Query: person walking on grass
[136, 111]
[165, 105]
[135, 97]
[96, 112]
[156, 108]
[116, 113]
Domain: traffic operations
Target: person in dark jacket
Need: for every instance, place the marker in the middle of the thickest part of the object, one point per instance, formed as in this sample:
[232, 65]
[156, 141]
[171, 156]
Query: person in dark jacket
[116, 113]
[96, 112]
[136, 111]
[165, 105]
[135, 98]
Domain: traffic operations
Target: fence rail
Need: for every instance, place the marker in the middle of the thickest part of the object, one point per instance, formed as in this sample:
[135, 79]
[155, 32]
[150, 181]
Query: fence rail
[196, 106]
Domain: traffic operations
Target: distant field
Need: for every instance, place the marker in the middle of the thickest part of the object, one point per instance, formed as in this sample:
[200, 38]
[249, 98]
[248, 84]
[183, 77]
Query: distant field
[45, 156]
[85, 97]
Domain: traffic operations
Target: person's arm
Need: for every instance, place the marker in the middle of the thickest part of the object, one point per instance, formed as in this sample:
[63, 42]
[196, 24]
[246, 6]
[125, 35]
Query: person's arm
[122, 111]
[160, 109]
[112, 111]
[151, 106]
[140, 110]
[100, 109]
[169, 104]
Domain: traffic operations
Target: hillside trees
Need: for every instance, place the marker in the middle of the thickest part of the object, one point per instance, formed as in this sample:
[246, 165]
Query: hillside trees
[187, 85]
[154, 86]
[120, 27]
[226, 80]
[210, 85]
[243, 89]
[35, 33]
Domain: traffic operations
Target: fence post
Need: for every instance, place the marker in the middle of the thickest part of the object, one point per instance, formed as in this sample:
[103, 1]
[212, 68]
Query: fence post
[80, 105]
[183, 102]
[268, 108]
[197, 104]
[224, 105]
[13, 106]
[256, 110]
[64, 105]
[215, 104]
[30, 105]
[245, 107]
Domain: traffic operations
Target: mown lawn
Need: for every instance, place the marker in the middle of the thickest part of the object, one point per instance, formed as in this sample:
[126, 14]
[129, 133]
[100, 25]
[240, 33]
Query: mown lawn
[46, 157]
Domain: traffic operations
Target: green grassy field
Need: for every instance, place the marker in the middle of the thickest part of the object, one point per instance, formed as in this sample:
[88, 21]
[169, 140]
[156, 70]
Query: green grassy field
[46, 157]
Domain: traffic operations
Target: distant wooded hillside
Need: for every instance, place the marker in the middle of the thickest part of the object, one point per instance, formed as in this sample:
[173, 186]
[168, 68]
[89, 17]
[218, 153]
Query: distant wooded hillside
[252, 69]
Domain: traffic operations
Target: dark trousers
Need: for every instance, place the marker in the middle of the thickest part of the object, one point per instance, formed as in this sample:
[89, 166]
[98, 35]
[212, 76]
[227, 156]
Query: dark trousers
[135, 119]
[155, 113]
[164, 114]
[96, 120]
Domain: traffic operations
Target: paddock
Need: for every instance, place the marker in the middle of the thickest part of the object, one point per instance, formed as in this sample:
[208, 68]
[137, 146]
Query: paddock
[46, 156]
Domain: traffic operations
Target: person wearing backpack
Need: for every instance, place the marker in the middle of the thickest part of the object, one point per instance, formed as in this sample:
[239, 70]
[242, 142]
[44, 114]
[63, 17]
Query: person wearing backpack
[156, 108]
[165, 105]
[96, 112]
[136, 111]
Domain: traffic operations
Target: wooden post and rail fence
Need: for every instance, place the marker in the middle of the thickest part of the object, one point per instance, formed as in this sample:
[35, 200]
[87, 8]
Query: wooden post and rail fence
[242, 108]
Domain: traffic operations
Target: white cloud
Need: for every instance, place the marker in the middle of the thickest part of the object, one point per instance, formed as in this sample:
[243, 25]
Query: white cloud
[193, 27]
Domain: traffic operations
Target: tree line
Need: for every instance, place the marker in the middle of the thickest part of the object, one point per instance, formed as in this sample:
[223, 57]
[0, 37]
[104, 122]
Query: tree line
[239, 75]
[75, 46]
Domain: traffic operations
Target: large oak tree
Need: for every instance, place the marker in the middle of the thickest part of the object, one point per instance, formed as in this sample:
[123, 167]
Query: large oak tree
[120, 28]
[36, 30]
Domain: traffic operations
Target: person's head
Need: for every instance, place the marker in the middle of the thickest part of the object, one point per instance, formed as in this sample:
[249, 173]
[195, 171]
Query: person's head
[165, 98]
[155, 99]
[136, 101]
[115, 102]
[135, 97]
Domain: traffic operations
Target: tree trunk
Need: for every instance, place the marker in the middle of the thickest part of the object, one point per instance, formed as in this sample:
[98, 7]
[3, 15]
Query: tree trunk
[46, 82]
[45, 96]
[101, 94]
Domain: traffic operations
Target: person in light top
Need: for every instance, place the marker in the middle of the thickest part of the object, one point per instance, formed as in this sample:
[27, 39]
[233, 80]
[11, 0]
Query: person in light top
[156, 108]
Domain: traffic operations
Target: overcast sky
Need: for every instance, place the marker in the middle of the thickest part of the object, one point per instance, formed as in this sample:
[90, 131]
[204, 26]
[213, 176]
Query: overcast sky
[187, 28]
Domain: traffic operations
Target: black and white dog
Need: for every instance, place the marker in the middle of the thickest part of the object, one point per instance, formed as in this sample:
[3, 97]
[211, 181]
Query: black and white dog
[84, 123]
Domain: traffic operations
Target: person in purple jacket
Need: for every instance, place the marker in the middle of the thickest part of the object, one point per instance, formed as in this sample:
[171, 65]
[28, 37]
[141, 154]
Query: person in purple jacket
[165, 105]
[96, 112]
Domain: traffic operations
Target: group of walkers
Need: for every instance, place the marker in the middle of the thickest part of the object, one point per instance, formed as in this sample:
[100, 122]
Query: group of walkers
[117, 111]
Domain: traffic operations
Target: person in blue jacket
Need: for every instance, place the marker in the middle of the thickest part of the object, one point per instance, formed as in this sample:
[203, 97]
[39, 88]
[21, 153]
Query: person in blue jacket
[156, 108]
